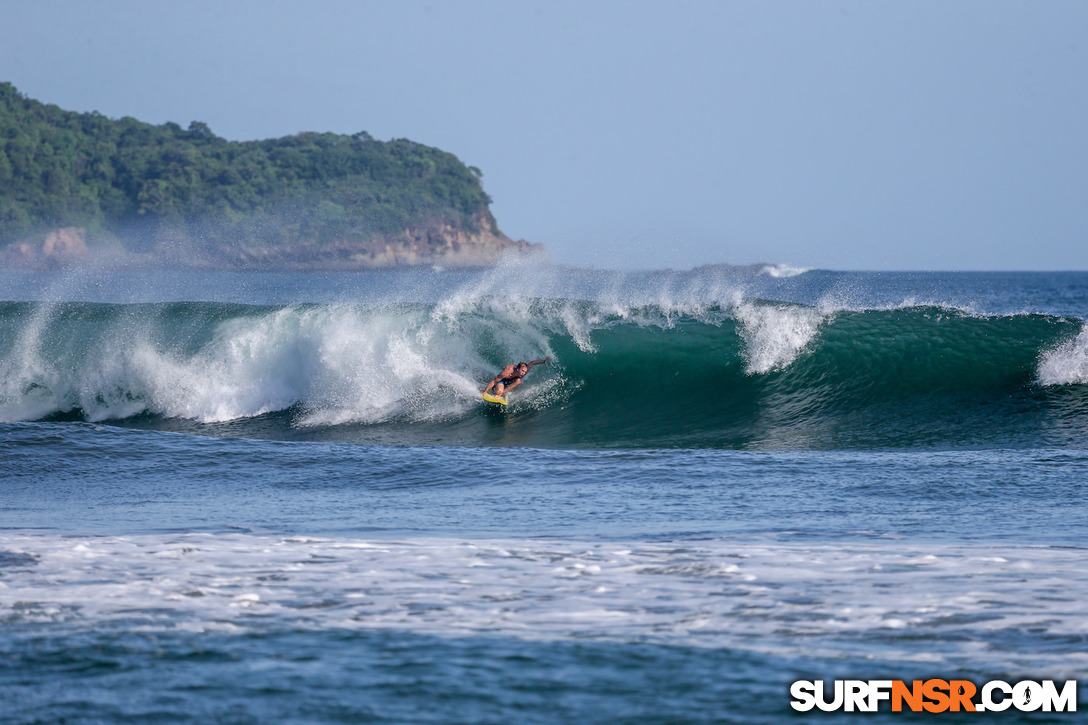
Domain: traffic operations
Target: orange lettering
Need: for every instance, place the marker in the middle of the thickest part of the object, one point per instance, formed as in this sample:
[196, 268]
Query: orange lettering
[961, 692]
[912, 695]
[934, 690]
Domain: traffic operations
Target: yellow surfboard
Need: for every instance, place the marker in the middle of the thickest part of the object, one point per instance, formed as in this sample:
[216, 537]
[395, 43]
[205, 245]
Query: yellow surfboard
[493, 398]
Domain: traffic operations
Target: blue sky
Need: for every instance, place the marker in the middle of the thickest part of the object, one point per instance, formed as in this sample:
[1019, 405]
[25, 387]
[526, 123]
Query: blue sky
[845, 135]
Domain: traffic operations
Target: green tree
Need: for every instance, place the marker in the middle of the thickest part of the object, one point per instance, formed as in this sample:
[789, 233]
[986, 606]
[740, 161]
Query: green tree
[125, 177]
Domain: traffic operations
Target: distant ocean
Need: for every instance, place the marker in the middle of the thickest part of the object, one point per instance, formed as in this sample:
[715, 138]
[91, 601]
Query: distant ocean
[254, 498]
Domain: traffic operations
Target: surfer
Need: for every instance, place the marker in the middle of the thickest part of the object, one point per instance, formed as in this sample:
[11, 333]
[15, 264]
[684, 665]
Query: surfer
[511, 376]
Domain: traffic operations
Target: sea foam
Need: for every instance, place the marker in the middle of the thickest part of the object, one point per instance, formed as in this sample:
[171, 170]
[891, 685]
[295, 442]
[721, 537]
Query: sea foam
[775, 335]
[784, 270]
[861, 598]
[1067, 364]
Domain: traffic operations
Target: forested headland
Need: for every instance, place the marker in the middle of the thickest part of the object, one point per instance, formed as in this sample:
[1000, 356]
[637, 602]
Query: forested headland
[76, 186]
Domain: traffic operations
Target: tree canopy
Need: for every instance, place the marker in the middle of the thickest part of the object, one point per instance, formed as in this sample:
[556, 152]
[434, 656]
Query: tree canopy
[138, 183]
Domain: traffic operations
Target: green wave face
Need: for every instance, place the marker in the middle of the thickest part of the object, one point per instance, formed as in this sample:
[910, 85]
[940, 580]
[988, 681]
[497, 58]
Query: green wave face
[872, 378]
[750, 375]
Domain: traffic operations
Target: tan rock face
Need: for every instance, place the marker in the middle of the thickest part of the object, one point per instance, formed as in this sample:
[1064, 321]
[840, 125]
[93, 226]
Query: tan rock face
[59, 248]
[65, 244]
[447, 245]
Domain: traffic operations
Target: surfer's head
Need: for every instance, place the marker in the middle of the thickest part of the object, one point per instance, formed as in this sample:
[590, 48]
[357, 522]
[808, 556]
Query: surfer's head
[523, 367]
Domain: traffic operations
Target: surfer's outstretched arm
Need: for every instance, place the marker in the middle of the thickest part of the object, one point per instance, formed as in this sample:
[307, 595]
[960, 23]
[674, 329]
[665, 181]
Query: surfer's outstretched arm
[539, 362]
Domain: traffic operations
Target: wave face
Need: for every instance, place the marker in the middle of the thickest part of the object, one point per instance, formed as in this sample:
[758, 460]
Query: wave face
[731, 373]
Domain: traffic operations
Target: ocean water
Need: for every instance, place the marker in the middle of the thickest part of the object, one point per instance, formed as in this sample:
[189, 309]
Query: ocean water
[255, 498]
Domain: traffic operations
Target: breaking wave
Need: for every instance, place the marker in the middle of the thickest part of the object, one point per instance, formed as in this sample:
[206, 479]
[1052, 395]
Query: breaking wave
[732, 372]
